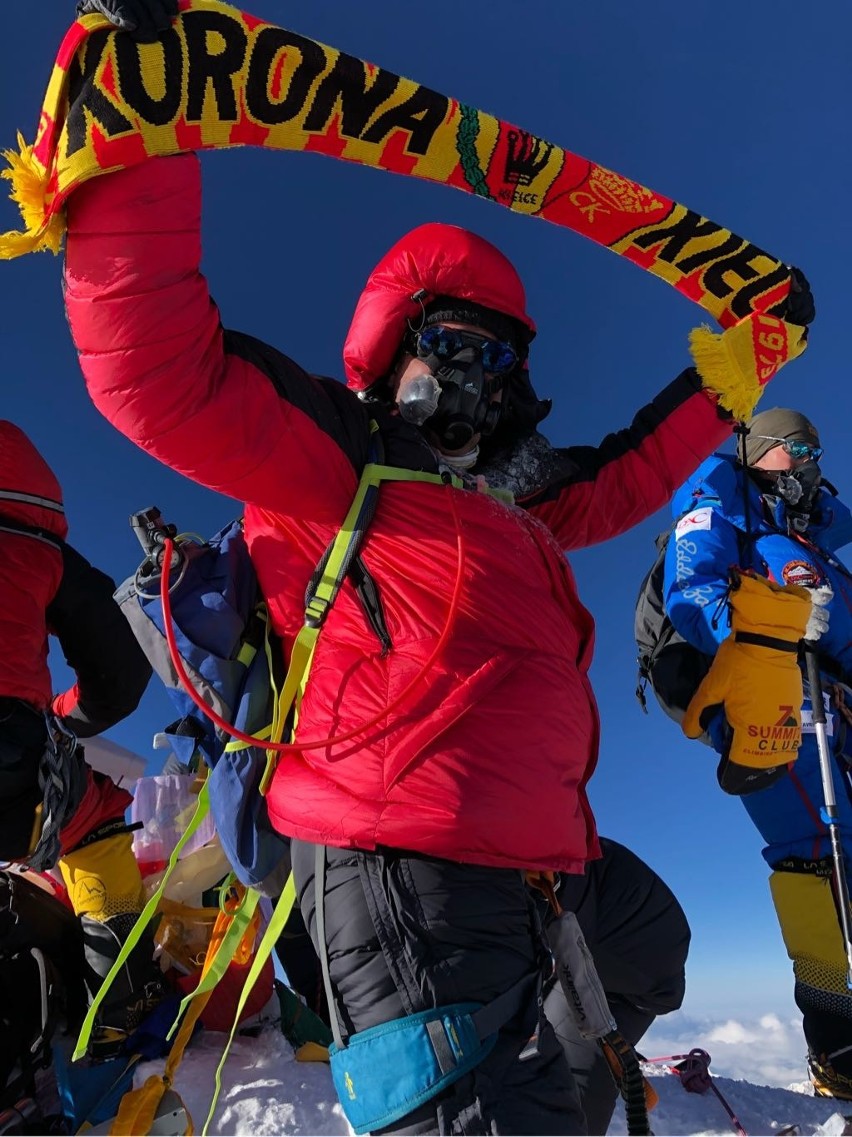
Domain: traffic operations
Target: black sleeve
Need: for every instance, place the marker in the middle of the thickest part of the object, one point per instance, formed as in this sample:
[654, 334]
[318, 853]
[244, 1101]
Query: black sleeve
[99, 645]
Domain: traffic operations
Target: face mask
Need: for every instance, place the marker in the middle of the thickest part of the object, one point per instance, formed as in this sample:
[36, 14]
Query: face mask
[464, 405]
[458, 363]
[798, 489]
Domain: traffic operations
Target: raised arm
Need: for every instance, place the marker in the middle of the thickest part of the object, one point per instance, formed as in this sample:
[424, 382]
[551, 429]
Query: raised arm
[603, 491]
[219, 407]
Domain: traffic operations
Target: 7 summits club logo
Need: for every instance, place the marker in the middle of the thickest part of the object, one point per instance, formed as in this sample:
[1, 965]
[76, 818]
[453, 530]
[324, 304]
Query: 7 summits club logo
[782, 736]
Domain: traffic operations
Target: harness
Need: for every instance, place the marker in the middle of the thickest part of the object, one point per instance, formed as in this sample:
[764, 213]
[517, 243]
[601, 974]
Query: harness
[340, 559]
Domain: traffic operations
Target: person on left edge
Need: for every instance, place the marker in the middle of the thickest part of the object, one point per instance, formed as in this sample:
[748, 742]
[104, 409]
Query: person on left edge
[48, 588]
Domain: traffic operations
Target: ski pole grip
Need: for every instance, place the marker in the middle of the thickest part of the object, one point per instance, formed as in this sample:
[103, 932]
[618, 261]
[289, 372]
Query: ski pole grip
[814, 683]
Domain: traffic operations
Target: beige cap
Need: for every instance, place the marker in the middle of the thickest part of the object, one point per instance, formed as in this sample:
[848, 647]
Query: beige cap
[778, 422]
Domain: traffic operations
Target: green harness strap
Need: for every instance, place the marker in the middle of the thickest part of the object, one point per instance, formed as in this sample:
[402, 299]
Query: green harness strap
[281, 914]
[334, 567]
[201, 810]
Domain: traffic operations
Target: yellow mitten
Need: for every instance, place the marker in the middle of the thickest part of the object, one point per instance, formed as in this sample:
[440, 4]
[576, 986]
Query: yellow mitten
[755, 678]
[737, 363]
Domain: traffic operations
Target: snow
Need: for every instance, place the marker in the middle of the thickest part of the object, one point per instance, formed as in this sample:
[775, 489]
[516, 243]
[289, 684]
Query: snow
[266, 1091]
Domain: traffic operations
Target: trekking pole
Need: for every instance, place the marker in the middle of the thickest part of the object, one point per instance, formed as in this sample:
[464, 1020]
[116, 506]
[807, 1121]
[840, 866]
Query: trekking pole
[828, 813]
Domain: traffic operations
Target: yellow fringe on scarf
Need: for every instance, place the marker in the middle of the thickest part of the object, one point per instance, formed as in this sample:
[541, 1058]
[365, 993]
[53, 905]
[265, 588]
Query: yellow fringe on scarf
[29, 192]
[737, 363]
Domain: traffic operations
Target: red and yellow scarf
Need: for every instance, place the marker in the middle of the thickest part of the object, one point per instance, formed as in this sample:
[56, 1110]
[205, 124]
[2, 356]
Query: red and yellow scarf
[222, 78]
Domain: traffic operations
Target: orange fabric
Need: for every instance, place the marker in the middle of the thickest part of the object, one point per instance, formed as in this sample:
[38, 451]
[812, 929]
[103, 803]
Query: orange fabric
[218, 1014]
[102, 801]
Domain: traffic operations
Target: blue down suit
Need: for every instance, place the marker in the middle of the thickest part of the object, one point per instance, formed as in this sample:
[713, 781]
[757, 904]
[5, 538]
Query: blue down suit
[723, 519]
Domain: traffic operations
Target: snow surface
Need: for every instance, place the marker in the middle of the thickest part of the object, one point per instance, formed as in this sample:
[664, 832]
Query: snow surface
[266, 1091]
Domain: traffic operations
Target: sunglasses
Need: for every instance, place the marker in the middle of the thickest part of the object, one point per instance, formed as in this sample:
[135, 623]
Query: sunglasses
[795, 447]
[498, 358]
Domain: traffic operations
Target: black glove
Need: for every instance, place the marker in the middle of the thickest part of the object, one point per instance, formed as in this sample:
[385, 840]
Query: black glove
[144, 18]
[800, 307]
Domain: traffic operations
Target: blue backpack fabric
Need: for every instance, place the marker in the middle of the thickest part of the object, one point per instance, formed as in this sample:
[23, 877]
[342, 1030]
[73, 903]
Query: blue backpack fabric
[223, 638]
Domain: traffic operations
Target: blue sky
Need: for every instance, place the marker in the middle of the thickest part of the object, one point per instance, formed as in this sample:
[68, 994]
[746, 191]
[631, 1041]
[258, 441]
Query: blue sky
[739, 111]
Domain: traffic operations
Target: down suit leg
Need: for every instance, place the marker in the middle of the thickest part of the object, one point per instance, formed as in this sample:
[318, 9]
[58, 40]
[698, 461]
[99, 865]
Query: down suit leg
[406, 933]
[798, 850]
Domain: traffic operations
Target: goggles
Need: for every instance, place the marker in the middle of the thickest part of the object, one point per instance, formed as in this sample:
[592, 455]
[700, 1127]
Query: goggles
[797, 449]
[498, 358]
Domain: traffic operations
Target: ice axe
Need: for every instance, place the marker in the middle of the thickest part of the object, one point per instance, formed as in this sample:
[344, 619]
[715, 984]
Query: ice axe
[828, 812]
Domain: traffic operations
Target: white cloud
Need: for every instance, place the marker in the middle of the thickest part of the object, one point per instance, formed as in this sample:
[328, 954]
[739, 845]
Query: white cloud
[768, 1050]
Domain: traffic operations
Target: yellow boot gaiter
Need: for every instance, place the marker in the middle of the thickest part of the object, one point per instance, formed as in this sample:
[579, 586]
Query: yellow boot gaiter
[103, 878]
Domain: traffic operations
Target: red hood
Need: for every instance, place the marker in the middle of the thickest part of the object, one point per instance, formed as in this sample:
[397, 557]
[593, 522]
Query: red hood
[434, 260]
[29, 490]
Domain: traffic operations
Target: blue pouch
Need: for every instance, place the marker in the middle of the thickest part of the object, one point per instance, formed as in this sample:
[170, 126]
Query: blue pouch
[387, 1071]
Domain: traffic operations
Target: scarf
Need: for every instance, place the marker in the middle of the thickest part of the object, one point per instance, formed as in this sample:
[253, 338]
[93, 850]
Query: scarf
[220, 78]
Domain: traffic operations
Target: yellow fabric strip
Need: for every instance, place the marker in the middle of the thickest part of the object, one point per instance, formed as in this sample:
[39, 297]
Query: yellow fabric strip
[811, 930]
[148, 912]
[270, 937]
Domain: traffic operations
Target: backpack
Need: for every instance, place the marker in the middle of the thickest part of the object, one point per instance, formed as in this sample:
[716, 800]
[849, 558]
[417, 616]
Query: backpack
[232, 661]
[224, 641]
[41, 980]
[671, 666]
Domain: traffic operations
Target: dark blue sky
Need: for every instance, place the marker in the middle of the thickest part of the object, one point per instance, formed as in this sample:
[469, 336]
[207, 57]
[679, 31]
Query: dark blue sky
[739, 110]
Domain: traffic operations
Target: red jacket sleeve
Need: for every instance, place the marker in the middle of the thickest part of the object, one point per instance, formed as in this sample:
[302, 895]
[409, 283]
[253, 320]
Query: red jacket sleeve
[607, 489]
[219, 408]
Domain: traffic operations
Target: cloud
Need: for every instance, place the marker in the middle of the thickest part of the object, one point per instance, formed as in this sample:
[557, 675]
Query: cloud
[768, 1050]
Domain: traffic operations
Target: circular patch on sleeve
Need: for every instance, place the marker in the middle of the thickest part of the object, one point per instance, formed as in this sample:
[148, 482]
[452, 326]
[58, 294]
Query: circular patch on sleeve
[803, 573]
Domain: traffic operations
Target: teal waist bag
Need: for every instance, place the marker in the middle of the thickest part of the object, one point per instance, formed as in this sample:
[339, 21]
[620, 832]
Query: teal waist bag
[387, 1071]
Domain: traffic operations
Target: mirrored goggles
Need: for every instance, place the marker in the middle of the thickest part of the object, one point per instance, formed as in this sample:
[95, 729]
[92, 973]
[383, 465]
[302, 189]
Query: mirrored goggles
[797, 449]
[498, 358]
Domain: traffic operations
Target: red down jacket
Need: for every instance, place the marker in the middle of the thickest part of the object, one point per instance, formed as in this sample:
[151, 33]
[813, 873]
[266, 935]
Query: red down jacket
[486, 761]
[49, 588]
[30, 568]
